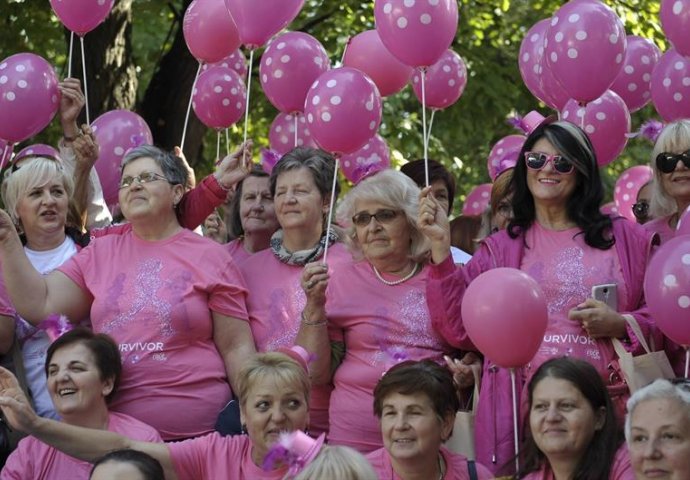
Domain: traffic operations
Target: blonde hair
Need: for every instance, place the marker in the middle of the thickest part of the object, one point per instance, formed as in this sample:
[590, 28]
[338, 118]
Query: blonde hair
[35, 172]
[339, 462]
[675, 137]
[276, 365]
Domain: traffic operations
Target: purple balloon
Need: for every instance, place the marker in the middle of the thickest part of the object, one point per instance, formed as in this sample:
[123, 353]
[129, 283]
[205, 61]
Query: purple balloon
[219, 97]
[671, 86]
[29, 96]
[633, 83]
[117, 132]
[444, 83]
[289, 65]
[281, 135]
[675, 21]
[371, 158]
[504, 155]
[585, 48]
[82, 16]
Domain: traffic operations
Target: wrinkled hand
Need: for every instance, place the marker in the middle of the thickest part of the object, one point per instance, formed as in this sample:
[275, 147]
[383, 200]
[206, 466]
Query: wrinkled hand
[314, 282]
[191, 176]
[85, 148]
[71, 103]
[462, 370]
[14, 404]
[7, 228]
[433, 223]
[215, 228]
[235, 167]
[598, 319]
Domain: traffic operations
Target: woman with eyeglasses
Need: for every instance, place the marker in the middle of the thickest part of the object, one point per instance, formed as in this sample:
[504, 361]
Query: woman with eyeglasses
[558, 236]
[373, 306]
[172, 300]
[671, 181]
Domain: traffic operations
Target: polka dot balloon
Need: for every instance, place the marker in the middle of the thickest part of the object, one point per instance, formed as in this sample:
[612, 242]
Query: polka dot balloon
[675, 21]
[219, 97]
[671, 86]
[477, 200]
[29, 96]
[444, 83]
[371, 158]
[667, 289]
[606, 121]
[633, 83]
[628, 186]
[282, 133]
[585, 48]
[504, 155]
[609, 209]
[290, 64]
[343, 110]
[235, 61]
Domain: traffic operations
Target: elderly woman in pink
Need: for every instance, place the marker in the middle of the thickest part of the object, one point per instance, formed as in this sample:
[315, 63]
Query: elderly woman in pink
[375, 305]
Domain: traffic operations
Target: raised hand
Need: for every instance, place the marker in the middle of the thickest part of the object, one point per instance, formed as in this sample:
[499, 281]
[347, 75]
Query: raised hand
[314, 282]
[85, 147]
[71, 103]
[433, 223]
[235, 167]
[14, 404]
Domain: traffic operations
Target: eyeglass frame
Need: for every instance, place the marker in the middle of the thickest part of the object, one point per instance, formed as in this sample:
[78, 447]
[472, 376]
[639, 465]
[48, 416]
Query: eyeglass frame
[140, 179]
[376, 215]
[668, 159]
[549, 158]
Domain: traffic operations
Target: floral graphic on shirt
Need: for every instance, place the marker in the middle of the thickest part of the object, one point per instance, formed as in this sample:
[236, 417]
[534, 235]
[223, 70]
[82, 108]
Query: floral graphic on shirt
[283, 317]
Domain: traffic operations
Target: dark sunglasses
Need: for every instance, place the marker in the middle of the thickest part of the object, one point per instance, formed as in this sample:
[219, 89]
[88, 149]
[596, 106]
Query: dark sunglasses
[385, 215]
[666, 161]
[641, 210]
[538, 160]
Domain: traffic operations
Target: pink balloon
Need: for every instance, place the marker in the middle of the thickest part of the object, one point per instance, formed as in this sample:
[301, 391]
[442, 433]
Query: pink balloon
[610, 209]
[82, 16]
[633, 82]
[671, 86]
[289, 65]
[117, 132]
[675, 21]
[667, 288]
[534, 70]
[606, 121]
[29, 96]
[210, 31]
[444, 83]
[37, 150]
[416, 33]
[585, 48]
[371, 158]
[259, 20]
[343, 110]
[282, 133]
[504, 154]
[683, 227]
[628, 186]
[477, 200]
[219, 97]
[500, 306]
[235, 61]
[366, 52]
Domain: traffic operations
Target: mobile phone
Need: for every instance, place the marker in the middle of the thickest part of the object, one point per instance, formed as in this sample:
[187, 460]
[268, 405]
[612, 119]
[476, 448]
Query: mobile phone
[607, 293]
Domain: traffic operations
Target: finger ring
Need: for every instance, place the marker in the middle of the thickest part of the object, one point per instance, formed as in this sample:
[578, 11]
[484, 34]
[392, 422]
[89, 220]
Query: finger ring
[310, 284]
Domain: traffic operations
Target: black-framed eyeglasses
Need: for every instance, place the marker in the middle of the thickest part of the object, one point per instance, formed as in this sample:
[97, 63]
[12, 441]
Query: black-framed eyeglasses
[145, 177]
[538, 160]
[385, 215]
[641, 210]
[666, 161]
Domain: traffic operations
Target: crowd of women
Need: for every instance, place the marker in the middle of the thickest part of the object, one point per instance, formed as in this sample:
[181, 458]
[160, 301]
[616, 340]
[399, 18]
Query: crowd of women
[202, 353]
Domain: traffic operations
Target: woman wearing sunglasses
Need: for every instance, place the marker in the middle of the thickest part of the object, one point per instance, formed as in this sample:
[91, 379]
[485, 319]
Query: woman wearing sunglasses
[671, 182]
[558, 236]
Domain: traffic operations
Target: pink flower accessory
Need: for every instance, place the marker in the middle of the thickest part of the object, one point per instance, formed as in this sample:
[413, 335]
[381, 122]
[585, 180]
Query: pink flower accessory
[269, 158]
[55, 326]
[649, 130]
[295, 450]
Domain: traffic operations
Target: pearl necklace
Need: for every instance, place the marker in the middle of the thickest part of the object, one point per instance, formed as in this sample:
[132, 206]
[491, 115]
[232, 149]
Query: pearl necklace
[396, 282]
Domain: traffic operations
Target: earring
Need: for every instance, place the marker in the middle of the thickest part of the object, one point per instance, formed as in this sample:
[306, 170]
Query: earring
[244, 429]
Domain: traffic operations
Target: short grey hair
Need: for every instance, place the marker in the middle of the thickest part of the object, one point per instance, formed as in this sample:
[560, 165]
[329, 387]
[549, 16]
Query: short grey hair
[320, 164]
[659, 389]
[675, 137]
[173, 168]
[337, 461]
[395, 190]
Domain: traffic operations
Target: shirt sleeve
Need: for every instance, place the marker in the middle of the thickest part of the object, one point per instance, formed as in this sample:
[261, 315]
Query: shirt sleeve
[190, 456]
[18, 466]
[228, 295]
[76, 267]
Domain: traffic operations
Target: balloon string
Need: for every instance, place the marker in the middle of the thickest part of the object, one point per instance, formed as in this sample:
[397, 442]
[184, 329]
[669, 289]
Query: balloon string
[426, 151]
[515, 419]
[227, 140]
[189, 109]
[431, 124]
[86, 88]
[582, 119]
[4, 156]
[249, 86]
[296, 124]
[687, 361]
[218, 147]
[330, 208]
[69, 57]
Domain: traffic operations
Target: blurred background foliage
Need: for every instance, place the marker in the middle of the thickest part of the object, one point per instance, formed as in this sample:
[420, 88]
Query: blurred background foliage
[488, 38]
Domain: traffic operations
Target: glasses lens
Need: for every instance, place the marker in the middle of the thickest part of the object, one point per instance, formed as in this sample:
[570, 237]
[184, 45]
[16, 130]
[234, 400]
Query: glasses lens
[534, 160]
[147, 177]
[562, 164]
[666, 162]
[640, 210]
[361, 219]
[385, 216]
[126, 182]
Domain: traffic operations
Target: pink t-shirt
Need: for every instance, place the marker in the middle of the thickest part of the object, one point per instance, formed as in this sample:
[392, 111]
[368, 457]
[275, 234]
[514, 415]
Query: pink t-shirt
[275, 303]
[381, 325]
[155, 299]
[35, 460]
[566, 269]
[620, 470]
[661, 227]
[456, 466]
[216, 457]
[237, 251]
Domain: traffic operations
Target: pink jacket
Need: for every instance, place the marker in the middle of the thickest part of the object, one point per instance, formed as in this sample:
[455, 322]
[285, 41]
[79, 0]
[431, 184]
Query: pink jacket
[446, 287]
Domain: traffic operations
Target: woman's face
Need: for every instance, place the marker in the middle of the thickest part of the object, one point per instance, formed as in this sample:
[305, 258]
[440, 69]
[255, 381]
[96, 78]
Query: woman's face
[256, 206]
[273, 407]
[382, 238]
[677, 183]
[298, 202]
[549, 187]
[411, 428]
[74, 381]
[153, 199]
[660, 440]
[43, 209]
[562, 420]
